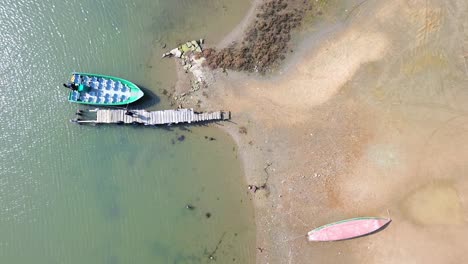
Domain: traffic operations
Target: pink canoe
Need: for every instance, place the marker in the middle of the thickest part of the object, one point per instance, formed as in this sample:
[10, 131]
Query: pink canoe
[347, 229]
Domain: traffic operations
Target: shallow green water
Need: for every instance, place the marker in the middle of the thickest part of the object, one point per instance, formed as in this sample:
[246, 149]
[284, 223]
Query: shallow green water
[78, 194]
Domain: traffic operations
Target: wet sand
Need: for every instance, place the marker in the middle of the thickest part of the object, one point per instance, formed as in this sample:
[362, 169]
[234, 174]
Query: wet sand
[369, 118]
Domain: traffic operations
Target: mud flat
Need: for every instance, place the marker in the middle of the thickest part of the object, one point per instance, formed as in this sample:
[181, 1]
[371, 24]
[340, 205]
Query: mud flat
[370, 119]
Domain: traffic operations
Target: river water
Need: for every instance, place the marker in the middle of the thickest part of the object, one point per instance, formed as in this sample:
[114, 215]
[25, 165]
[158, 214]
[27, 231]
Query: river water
[112, 194]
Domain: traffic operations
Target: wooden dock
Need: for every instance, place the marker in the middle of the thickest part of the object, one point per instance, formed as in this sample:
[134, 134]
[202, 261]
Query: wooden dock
[153, 118]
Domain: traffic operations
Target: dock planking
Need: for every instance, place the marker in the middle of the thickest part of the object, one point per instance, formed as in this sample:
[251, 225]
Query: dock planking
[153, 118]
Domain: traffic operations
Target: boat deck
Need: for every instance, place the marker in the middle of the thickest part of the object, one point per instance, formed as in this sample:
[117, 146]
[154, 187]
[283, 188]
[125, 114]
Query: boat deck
[153, 118]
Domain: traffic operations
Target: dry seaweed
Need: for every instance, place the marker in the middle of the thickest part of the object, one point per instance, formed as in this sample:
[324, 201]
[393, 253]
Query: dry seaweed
[265, 42]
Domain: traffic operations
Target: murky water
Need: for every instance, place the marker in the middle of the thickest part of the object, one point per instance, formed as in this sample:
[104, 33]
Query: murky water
[78, 194]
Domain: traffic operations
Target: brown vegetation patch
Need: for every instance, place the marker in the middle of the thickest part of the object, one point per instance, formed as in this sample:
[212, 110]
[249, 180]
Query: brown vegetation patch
[265, 42]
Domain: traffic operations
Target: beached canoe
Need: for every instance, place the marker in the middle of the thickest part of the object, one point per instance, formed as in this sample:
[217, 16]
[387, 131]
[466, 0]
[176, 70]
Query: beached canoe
[346, 229]
[103, 90]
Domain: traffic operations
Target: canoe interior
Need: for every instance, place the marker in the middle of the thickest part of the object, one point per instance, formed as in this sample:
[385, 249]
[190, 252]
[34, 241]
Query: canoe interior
[96, 89]
[347, 229]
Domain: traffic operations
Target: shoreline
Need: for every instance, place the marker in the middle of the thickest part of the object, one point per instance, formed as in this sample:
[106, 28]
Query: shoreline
[344, 131]
[254, 162]
[238, 32]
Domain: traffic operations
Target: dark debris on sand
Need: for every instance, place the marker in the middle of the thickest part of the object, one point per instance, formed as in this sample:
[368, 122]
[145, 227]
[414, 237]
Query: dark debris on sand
[265, 42]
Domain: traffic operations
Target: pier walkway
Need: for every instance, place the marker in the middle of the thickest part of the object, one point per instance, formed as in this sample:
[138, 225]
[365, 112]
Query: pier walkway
[164, 117]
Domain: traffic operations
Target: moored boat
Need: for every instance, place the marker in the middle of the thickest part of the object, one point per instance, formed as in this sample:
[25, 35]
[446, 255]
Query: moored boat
[347, 229]
[96, 89]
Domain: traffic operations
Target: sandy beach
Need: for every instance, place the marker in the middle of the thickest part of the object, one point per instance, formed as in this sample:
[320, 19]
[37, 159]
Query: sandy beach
[368, 117]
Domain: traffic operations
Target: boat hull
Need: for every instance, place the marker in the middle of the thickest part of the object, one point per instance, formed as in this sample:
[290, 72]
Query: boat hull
[347, 229]
[102, 90]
